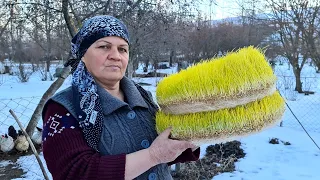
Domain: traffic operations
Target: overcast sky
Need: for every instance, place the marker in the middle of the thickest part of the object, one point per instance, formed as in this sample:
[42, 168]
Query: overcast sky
[223, 9]
[227, 8]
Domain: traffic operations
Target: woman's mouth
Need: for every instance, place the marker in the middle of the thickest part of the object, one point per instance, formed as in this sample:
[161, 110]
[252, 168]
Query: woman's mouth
[113, 67]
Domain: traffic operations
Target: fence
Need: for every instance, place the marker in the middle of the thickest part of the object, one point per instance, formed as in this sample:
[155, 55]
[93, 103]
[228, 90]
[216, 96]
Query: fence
[14, 165]
[305, 107]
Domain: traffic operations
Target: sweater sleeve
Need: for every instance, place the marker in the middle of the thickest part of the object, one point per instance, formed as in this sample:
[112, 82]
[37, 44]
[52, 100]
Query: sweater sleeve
[67, 154]
[187, 156]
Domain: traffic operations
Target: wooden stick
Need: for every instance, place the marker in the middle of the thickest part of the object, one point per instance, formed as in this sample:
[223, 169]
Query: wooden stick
[31, 145]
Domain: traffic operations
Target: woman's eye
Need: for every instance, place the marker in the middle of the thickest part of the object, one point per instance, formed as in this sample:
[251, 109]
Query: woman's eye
[104, 47]
[123, 50]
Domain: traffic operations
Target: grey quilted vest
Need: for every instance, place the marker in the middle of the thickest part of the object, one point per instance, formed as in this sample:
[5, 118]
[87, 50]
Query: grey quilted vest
[128, 126]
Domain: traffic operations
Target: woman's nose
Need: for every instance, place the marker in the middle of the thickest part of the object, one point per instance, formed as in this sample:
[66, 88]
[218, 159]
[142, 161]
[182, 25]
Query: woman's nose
[114, 54]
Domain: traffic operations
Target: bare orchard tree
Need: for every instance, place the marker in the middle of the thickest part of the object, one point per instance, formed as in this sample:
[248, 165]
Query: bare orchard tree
[151, 36]
[311, 32]
[251, 13]
[5, 20]
[56, 84]
[216, 39]
[203, 42]
[37, 19]
[291, 16]
[4, 41]
[141, 27]
[44, 17]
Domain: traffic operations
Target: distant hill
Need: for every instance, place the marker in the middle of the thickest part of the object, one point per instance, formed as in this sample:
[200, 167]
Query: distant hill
[239, 19]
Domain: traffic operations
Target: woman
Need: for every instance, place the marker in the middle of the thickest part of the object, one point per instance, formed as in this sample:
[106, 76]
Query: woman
[103, 126]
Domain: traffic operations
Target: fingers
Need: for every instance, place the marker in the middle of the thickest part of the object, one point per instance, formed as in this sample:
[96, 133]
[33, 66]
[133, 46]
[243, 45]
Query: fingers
[163, 149]
[189, 145]
[183, 145]
[193, 149]
[179, 144]
[166, 133]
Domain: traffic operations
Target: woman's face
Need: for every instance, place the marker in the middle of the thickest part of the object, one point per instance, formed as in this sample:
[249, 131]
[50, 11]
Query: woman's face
[107, 59]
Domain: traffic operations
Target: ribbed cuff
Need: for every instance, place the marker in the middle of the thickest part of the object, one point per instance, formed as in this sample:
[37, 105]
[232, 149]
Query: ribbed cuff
[112, 167]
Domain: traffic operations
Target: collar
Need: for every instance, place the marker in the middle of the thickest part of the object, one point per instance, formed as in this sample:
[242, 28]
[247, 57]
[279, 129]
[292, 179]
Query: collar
[110, 103]
[133, 95]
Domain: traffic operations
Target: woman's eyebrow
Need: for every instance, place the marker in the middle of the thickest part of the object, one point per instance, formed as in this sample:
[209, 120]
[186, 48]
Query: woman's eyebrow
[111, 43]
[126, 45]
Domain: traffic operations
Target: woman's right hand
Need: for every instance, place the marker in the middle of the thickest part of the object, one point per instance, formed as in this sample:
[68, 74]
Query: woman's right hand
[164, 150]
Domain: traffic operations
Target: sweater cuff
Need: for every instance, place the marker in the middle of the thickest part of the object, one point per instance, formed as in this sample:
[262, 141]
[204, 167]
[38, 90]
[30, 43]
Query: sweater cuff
[186, 156]
[116, 163]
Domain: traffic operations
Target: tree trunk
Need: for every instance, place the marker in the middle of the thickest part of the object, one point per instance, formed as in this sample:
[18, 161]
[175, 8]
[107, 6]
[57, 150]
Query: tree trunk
[317, 64]
[317, 67]
[179, 66]
[57, 84]
[130, 69]
[52, 89]
[297, 73]
[4, 27]
[33, 66]
[146, 65]
[172, 57]
[48, 65]
[67, 18]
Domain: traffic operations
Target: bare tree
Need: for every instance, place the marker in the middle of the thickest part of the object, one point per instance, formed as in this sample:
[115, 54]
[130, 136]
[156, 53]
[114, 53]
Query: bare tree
[311, 32]
[207, 41]
[291, 17]
[43, 15]
[57, 84]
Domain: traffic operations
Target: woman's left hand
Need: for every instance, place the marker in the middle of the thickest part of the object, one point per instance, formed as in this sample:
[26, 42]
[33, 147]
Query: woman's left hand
[164, 150]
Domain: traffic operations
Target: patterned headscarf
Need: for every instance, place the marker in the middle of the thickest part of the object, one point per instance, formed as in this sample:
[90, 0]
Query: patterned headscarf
[87, 101]
[93, 29]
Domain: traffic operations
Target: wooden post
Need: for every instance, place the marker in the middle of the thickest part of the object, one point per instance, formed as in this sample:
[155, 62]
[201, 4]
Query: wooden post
[31, 145]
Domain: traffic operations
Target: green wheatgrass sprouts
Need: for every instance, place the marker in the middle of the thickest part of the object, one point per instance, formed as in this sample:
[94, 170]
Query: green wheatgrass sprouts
[241, 120]
[233, 75]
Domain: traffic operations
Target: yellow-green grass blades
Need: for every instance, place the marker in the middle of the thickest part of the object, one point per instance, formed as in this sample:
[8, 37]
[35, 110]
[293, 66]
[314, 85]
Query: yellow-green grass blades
[225, 123]
[238, 78]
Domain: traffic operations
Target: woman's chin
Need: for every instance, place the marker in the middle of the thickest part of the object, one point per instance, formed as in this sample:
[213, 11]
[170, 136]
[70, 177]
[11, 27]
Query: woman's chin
[113, 78]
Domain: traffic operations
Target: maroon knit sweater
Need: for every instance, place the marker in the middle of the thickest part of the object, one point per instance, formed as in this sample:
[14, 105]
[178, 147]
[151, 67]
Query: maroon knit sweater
[69, 157]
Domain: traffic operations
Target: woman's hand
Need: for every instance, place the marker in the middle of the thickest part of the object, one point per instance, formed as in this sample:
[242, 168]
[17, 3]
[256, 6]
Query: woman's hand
[164, 150]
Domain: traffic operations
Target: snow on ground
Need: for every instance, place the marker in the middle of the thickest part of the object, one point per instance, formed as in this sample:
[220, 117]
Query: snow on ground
[22, 98]
[263, 161]
[31, 166]
[5, 163]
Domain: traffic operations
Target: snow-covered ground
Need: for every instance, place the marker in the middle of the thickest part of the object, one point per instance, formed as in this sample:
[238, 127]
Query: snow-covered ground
[263, 161]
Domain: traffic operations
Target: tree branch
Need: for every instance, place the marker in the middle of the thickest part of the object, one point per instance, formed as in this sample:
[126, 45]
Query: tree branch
[129, 10]
[75, 15]
[33, 38]
[96, 10]
[39, 4]
[52, 89]
[72, 29]
[4, 27]
[57, 84]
